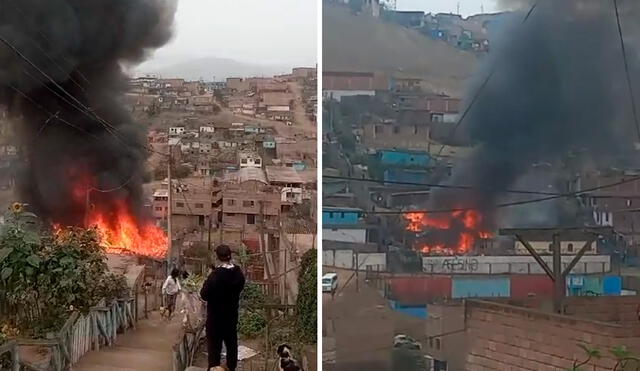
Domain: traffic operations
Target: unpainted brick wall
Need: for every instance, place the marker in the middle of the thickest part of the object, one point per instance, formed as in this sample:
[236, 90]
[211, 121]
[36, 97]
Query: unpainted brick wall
[504, 337]
[618, 309]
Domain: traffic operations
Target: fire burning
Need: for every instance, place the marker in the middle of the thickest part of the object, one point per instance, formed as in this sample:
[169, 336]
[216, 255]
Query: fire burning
[120, 232]
[119, 228]
[447, 234]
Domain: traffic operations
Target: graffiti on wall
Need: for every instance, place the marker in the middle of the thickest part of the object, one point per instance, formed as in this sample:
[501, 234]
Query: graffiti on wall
[452, 264]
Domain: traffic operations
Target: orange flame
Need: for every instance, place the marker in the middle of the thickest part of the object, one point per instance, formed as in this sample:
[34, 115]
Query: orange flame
[121, 233]
[467, 223]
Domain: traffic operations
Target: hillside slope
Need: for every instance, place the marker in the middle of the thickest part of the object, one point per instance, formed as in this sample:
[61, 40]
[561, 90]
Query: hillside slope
[208, 67]
[361, 43]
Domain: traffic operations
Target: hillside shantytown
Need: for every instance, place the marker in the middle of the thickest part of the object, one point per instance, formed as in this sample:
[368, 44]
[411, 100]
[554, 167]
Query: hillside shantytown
[158, 185]
[480, 177]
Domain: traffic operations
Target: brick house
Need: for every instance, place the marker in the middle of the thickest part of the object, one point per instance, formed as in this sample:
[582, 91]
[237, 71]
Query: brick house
[246, 211]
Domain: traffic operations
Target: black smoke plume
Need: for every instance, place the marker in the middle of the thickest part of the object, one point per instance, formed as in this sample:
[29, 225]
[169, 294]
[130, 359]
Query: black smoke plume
[57, 51]
[558, 95]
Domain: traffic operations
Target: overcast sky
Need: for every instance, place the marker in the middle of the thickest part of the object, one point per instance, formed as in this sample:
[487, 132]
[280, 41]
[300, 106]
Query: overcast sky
[467, 7]
[276, 32]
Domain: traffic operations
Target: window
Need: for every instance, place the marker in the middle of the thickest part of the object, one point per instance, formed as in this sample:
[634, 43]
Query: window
[430, 342]
[257, 161]
[231, 202]
[179, 204]
[396, 130]
[331, 215]
[437, 117]
[570, 247]
[551, 247]
[243, 161]
[199, 206]
[251, 219]
[437, 343]
[248, 203]
[415, 129]
[377, 129]
[158, 208]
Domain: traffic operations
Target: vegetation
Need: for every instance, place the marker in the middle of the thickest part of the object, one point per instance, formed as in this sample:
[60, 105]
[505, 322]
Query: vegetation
[307, 301]
[624, 358]
[46, 276]
[252, 318]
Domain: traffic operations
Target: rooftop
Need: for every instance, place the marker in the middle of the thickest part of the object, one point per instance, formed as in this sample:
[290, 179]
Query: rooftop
[282, 174]
[251, 173]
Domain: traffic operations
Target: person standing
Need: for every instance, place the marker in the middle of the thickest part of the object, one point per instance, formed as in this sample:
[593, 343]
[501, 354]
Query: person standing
[222, 291]
[170, 289]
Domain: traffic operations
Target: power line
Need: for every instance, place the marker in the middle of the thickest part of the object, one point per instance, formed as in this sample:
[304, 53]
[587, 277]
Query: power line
[626, 70]
[51, 115]
[82, 108]
[37, 44]
[504, 205]
[433, 185]
[465, 187]
[115, 188]
[481, 88]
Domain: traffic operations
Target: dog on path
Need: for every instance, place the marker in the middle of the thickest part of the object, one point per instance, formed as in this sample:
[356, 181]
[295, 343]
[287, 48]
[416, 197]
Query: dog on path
[287, 362]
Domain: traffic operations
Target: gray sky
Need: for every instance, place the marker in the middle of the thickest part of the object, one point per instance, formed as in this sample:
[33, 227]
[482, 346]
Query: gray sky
[277, 32]
[467, 7]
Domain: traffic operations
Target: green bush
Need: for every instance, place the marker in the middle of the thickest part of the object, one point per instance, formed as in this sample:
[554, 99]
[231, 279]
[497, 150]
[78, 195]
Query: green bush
[307, 301]
[251, 323]
[45, 276]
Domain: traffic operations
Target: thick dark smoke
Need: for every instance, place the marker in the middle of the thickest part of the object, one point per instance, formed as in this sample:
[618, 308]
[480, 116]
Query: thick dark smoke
[558, 92]
[81, 45]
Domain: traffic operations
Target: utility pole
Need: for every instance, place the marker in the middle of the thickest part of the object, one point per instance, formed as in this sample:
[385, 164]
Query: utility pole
[458, 8]
[209, 252]
[169, 210]
[357, 274]
[263, 246]
[87, 206]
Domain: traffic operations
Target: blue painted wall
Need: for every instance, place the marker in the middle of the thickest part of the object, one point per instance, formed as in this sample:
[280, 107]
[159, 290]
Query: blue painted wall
[612, 285]
[579, 285]
[404, 158]
[480, 287]
[337, 216]
[405, 175]
[414, 311]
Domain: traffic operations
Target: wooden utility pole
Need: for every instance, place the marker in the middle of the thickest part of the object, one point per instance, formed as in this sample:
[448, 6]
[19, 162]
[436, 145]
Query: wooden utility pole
[357, 275]
[284, 277]
[209, 252]
[87, 207]
[169, 210]
[557, 275]
[559, 282]
[263, 246]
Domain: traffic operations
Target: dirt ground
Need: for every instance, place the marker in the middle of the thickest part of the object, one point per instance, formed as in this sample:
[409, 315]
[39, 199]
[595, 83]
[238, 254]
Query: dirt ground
[359, 324]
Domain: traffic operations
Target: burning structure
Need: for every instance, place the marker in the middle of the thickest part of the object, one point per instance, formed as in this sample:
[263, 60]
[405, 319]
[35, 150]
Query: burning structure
[62, 80]
[553, 91]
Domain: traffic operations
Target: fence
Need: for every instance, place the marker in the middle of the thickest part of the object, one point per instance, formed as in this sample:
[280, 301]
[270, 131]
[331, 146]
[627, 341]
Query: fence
[81, 334]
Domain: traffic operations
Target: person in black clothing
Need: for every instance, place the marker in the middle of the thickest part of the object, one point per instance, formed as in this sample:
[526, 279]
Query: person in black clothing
[222, 291]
